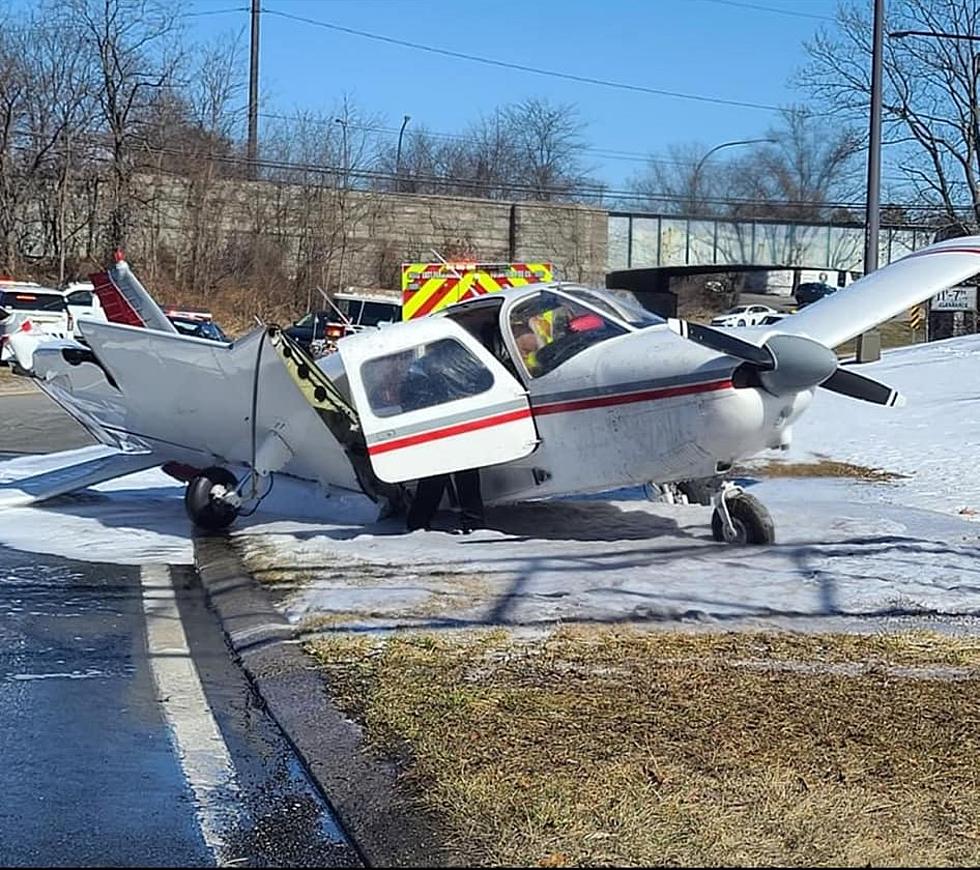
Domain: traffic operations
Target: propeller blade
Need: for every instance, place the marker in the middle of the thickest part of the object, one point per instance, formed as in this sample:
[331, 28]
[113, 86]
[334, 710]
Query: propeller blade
[849, 383]
[725, 342]
[788, 363]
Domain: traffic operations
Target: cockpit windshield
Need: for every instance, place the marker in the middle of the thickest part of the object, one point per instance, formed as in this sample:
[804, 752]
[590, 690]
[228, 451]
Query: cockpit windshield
[625, 309]
[549, 329]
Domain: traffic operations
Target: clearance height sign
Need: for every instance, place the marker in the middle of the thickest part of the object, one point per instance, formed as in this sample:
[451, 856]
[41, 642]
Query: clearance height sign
[427, 287]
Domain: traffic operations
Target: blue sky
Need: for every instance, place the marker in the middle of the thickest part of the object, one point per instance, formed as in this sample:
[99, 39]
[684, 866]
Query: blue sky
[729, 49]
[703, 47]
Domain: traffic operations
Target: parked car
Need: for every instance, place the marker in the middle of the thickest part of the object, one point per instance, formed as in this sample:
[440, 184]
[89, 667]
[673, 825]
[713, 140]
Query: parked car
[812, 291]
[743, 315]
[82, 301]
[318, 331]
[46, 309]
[196, 328]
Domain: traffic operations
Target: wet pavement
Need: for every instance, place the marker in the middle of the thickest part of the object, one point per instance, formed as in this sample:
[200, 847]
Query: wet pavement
[33, 423]
[89, 769]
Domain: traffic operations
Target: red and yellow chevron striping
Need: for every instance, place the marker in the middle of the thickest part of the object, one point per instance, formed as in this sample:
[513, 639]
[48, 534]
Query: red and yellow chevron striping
[428, 287]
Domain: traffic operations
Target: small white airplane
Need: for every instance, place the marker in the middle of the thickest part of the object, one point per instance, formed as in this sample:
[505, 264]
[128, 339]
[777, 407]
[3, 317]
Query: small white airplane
[550, 390]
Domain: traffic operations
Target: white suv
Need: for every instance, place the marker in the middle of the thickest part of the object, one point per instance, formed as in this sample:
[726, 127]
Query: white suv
[46, 309]
[83, 301]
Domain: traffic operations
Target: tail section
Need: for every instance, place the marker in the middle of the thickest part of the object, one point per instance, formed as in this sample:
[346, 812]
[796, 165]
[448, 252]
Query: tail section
[126, 301]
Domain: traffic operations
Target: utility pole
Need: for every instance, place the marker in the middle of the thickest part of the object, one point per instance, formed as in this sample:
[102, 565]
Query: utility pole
[253, 93]
[869, 343]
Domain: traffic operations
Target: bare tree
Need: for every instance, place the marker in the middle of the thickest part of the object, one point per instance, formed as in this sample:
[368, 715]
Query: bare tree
[44, 104]
[135, 54]
[681, 182]
[530, 150]
[548, 145]
[931, 95]
[795, 171]
[805, 166]
[14, 86]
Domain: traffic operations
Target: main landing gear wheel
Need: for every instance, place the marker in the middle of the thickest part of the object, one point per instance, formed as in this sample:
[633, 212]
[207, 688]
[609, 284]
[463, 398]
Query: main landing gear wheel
[212, 500]
[750, 521]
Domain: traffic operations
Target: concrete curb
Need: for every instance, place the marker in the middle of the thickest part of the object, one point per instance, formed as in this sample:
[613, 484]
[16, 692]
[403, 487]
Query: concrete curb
[378, 816]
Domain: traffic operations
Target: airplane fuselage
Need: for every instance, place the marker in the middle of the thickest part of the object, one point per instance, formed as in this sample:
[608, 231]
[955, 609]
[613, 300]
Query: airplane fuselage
[647, 406]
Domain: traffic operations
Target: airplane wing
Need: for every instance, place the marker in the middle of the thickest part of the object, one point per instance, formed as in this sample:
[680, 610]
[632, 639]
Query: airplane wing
[883, 294]
[30, 479]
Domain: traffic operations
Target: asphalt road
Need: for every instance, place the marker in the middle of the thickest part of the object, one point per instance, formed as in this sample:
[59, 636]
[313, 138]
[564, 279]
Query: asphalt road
[128, 735]
[31, 423]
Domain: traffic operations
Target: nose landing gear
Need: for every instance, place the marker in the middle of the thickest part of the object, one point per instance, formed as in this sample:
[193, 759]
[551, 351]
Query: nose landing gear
[212, 500]
[740, 518]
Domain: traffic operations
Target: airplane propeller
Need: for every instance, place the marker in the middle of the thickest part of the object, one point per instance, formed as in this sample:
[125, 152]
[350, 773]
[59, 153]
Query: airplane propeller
[789, 363]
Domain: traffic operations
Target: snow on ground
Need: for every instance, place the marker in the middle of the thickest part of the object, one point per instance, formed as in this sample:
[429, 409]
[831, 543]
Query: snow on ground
[846, 548]
[133, 520]
[934, 438]
[843, 552]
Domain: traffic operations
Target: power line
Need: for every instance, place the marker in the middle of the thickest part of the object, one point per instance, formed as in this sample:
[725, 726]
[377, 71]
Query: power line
[474, 58]
[584, 190]
[758, 7]
[213, 12]
[607, 153]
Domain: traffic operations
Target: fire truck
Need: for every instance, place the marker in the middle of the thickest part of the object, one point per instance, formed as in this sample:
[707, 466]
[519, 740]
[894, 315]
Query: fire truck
[426, 288]
[429, 287]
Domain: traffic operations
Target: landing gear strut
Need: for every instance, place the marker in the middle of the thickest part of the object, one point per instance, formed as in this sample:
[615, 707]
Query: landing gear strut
[212, 500]
[740, 518]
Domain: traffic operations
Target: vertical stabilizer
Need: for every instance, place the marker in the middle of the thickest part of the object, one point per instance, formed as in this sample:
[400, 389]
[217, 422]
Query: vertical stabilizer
[126, 301]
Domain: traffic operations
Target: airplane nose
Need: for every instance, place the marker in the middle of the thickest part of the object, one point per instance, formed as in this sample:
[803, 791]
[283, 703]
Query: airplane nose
[798, 364]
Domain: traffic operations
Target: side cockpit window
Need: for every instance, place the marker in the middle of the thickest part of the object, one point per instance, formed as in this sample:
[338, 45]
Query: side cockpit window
[549, 329]
[423, 377]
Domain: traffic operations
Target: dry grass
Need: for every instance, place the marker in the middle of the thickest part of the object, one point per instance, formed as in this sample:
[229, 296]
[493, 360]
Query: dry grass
[821, 468]
[894, 333]
[618, 747]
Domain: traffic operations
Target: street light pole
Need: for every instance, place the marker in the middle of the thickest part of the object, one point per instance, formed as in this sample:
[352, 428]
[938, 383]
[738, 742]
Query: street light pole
[398, 156]
[939, 34]
[869, 343]
[695, 178]
[343, 148]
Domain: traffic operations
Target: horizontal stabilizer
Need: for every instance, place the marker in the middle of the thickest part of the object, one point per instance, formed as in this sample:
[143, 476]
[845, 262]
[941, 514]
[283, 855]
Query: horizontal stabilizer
[30, 479]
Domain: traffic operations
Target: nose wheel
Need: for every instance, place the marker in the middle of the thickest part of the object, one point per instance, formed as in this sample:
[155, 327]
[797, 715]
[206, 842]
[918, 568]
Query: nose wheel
[212, 500]
[740, 518]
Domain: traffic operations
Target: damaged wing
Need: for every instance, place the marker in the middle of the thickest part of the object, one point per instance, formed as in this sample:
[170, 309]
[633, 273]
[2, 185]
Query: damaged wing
[30, 479]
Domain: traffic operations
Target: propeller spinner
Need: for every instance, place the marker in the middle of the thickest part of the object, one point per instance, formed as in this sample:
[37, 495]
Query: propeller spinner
[789, 363]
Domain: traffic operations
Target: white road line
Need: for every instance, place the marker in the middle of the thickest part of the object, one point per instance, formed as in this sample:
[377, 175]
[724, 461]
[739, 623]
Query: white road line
[197, 741]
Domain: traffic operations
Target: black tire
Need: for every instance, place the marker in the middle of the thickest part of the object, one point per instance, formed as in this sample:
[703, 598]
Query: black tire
[204, 511]
[753, 524]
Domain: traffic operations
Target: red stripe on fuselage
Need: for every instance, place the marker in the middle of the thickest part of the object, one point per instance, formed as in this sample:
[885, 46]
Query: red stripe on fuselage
[540, 410]
[448, 431]
[629, 398]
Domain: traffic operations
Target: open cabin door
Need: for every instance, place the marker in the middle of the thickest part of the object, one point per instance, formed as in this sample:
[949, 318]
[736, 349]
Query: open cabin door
[432, 399]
